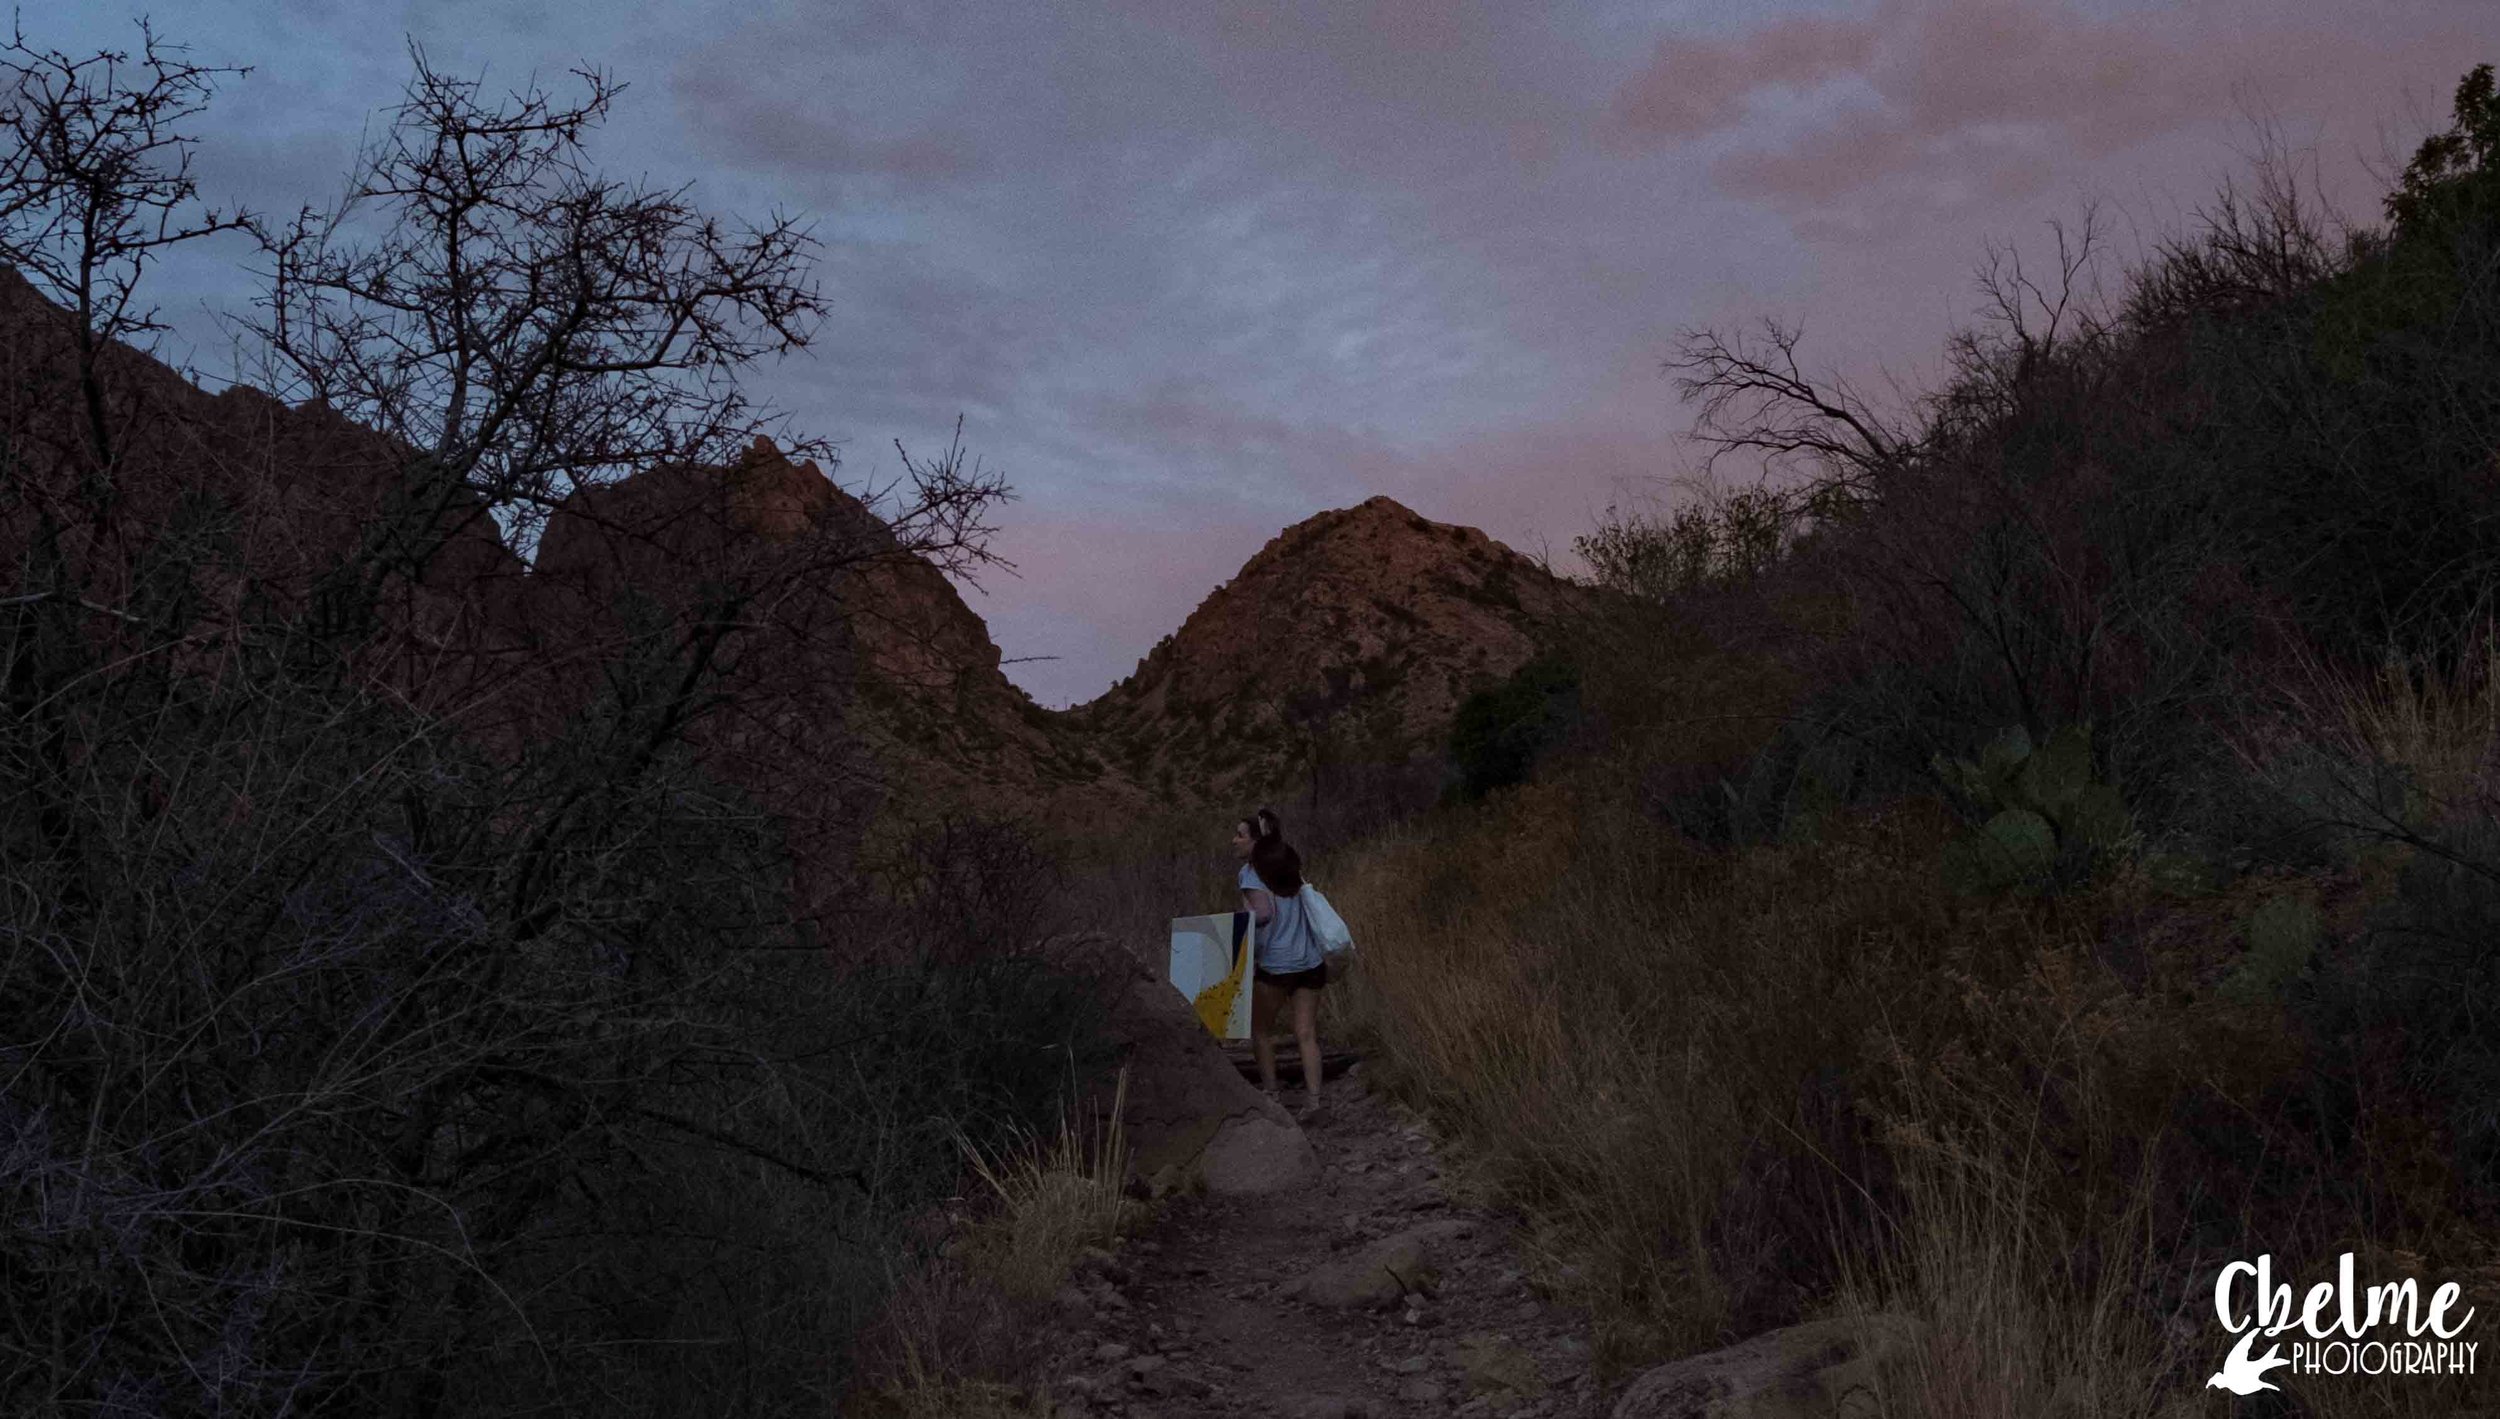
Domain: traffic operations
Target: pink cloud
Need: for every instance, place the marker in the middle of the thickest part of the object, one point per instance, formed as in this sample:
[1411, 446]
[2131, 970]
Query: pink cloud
[1691, 88]
[1948, 103]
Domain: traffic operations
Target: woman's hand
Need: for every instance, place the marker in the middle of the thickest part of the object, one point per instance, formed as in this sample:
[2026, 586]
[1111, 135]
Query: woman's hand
[1259, 904]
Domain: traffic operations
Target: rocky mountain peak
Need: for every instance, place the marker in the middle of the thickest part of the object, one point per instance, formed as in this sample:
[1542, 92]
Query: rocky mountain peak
[1351, 637]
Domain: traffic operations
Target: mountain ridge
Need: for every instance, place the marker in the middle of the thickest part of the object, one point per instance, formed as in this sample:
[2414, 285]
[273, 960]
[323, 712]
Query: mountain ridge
[1348, 639]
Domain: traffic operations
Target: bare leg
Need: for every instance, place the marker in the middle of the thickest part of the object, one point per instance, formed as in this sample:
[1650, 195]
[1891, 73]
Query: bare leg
[1306, 1034]
[1264, 1001]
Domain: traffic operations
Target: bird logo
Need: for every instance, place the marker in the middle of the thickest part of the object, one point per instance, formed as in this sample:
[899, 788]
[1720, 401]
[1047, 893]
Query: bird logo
[2243, 1376]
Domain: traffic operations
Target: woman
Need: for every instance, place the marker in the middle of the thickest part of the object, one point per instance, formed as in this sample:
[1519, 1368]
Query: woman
[1291, 965]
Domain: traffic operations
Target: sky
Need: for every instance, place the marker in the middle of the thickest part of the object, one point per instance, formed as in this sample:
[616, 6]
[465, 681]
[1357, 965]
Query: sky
[1191, 271]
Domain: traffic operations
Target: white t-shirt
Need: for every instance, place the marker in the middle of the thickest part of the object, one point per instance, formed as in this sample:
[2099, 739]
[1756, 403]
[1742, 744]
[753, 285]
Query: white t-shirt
[1286, 941]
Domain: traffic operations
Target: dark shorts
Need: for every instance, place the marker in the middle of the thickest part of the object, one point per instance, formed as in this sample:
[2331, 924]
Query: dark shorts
[1312, 979]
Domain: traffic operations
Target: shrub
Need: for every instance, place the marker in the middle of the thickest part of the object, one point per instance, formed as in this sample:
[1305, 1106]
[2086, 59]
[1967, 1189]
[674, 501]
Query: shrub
[402, 1017]
[1717, 540]
[1498, 732]
[2036, 1119]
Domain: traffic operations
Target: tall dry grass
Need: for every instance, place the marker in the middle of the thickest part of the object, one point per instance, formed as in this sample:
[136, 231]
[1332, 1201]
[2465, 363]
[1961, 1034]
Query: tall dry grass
[1637, 1035]
[957, 1339]
[2426, 726]
[1051, 1200]
[1734, 1089]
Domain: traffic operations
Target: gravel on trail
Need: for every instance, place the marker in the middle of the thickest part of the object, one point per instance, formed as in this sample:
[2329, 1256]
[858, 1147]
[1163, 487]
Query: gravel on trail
[1372, 1293]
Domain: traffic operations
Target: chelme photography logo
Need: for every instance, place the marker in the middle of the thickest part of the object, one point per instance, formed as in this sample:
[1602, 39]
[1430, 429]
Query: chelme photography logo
[2336, 1328]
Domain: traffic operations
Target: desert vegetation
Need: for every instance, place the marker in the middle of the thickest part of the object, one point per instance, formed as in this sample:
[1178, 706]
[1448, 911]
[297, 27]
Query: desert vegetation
[2031, 850]
[462, 950]
[412, 1005]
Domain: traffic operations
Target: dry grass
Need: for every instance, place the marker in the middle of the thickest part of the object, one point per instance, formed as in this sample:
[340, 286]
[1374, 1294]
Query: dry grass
[1052, 1201]
[1732, 1090]
[1629, 1030]
[2437, 727]
[957, 1338]
[2013, 1327]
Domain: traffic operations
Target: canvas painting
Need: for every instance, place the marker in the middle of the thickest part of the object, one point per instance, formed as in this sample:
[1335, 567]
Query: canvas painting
[1211, 958]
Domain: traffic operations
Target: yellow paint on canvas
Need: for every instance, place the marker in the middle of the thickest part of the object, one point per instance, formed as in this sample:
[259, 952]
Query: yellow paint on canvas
[1213, 979]
[1215, 1004]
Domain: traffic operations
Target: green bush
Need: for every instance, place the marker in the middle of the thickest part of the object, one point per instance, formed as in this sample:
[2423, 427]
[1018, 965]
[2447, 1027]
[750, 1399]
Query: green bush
[2044, 813]
[1499, 732]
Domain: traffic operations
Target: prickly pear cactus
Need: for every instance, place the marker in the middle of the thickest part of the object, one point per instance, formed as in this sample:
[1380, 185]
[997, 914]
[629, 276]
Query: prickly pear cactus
[2044, 808]
[2281, 934]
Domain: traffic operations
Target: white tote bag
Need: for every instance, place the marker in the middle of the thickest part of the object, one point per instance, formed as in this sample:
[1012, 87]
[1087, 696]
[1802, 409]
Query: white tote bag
[1325, 923]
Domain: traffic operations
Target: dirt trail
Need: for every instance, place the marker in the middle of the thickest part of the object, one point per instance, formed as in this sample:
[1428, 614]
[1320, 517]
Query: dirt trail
[1200, 1314]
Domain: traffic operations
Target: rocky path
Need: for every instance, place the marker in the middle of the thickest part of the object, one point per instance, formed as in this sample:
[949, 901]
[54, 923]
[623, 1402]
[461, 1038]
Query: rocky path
[1370, 1292]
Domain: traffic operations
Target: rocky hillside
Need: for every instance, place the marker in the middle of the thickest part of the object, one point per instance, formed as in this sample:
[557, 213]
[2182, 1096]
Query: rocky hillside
[861, 648]
[1346, 643]
[1350, 639]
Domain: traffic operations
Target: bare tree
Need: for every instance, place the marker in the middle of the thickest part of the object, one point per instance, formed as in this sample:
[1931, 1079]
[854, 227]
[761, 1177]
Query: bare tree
[522, 325]
[2026, 323]
[357, 1060]
[95, 185]
[1753, 396]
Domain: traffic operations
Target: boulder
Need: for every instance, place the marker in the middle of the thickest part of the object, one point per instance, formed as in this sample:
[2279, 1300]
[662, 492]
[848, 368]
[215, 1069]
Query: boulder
[1813, 1371]
[1494, 1366]
[1380, 1273]
[1192, 1121]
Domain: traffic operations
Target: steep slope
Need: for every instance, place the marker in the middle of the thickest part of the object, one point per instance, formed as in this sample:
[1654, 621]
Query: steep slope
[1347, 642]
[864, 686]
[217, 484]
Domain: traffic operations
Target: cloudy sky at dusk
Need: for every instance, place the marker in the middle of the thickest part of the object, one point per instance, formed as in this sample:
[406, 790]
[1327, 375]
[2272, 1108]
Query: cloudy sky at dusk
[1190, 271]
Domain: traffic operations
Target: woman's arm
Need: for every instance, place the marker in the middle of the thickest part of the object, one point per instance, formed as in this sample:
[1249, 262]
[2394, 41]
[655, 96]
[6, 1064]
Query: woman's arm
[1259, 904]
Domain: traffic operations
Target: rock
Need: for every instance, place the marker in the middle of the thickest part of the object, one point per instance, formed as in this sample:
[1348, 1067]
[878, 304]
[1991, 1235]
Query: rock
[1167, 1380]
[1330, 1406]
[1111, 1352]
[1422, 1391]
[1191, 1120]
[1447, 605]
[1253, 1155]
[1411, 1365]
[1820, 1369]
[1496, 1368]
[1145, 1367]
[1379, 1274]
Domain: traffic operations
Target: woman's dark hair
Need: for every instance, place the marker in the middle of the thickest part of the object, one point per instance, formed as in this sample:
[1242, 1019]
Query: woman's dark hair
[1274, 859]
